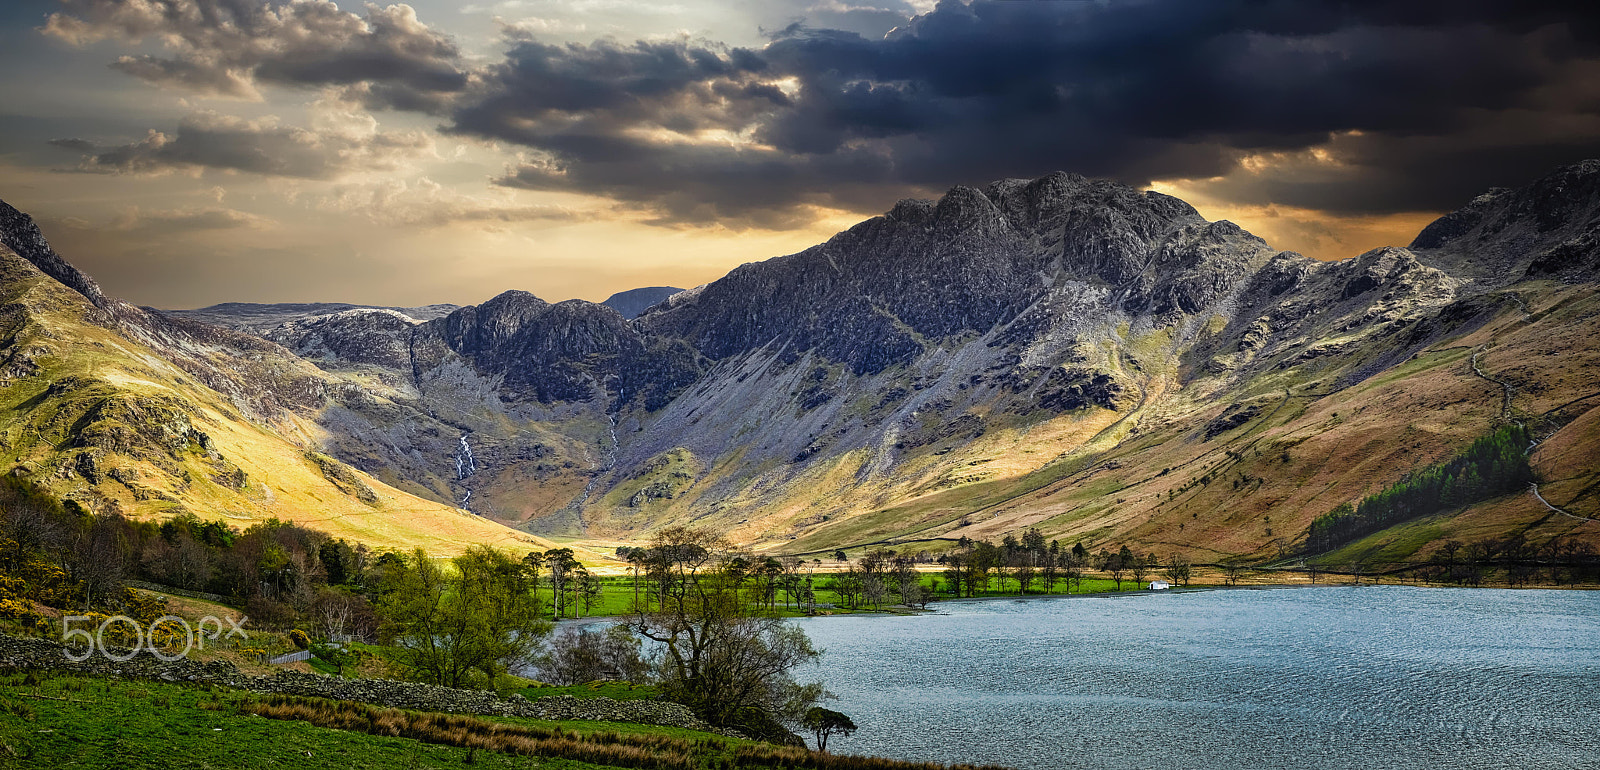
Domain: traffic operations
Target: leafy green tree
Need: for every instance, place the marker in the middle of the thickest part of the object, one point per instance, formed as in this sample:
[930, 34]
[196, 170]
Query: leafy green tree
[334, 656]
[1033, 540]
[1118, 564]
[563, 566]
[825, 723]
[462, 630]
[339, 562]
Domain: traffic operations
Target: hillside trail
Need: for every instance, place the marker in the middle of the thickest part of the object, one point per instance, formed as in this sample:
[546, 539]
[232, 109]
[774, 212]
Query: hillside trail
[1534, 488]
[1507, 392]
[1505, 388]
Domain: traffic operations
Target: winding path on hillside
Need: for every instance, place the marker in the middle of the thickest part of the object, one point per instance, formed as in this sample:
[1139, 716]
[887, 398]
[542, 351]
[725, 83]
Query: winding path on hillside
[1534, 487]
[1506, 389]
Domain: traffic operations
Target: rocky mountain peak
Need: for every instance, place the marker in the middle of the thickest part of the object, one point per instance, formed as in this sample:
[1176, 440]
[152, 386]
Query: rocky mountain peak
[500, 318]
[19, 232]
[887, 289]
[1549, 228]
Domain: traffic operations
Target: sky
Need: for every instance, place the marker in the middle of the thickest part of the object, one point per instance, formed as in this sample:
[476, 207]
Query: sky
[190, 152]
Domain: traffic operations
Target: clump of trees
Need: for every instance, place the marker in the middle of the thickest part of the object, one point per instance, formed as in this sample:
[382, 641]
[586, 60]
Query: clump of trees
[571, 584]
[1557, 561]
[1039, 567]
[60, 555]
[1494, 465]
[882, 577]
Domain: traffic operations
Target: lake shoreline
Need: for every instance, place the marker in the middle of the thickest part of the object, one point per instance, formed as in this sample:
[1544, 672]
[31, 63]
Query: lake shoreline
[902, 610]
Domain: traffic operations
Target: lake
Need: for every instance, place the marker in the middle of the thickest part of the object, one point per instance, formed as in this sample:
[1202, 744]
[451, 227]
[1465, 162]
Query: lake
[1325, 677]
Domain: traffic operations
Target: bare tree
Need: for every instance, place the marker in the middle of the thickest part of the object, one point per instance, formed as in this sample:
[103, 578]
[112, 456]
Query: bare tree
[1052, 567]
[1178, 569]
[1141, 566]
[1118, 564]
[1232, 572]
[1023, 570]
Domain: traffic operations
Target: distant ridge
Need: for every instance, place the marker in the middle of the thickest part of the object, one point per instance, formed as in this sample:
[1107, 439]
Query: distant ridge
[632, 302]
[259, 317]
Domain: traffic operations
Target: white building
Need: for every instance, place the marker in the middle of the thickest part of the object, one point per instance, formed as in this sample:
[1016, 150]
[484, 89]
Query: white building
[1159, 585]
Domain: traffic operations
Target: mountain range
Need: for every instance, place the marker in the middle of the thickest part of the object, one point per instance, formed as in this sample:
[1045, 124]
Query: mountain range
[1074, 355]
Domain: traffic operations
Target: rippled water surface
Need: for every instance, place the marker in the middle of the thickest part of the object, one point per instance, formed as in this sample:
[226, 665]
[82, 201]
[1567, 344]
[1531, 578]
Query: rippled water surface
[1337, 677]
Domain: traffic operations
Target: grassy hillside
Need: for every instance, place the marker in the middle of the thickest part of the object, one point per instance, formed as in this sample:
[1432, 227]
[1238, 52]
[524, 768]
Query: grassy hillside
[102, 420]
[1215, 468]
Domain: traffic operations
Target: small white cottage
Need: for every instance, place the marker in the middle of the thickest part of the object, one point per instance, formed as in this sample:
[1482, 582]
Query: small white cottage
[1159, 585]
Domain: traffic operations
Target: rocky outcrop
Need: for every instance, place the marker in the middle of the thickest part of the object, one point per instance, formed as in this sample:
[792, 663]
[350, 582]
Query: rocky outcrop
[885, 291]
[360, 336]
[341, 477]
[20, 234]
[1547, 229]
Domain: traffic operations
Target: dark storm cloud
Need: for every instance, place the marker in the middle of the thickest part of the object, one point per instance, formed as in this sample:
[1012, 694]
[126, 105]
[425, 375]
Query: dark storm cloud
[543, 90]
[75, 145]
[1156, 89]
[209, 140]
[1415, 106]
[226, 47]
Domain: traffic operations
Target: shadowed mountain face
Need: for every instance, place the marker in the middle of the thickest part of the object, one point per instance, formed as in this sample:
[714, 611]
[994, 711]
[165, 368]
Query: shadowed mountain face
[1072, 354]
[253, 317]
[1547, 230]
[633, 302]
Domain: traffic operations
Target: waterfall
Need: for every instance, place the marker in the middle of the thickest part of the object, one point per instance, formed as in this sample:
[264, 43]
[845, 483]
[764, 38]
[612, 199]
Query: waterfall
[466, 466]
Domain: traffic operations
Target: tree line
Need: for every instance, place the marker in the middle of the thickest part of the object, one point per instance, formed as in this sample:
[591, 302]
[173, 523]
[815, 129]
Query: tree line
[709, 609]
[763, 580]
[972, 568]
[1031, 562]
[1494, 465]
[281, 574]
[1518, 561]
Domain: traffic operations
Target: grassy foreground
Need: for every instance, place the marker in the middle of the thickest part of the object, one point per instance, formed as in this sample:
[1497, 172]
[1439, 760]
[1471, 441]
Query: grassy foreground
[64, 720]
[71, 721]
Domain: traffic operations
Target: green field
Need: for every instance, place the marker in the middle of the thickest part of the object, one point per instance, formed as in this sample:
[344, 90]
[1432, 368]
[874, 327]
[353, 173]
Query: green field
[73, 721]
[67, 720]
[617, 596]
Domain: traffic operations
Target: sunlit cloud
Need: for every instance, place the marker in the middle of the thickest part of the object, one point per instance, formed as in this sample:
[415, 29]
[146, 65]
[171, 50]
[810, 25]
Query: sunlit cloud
[210, 140]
